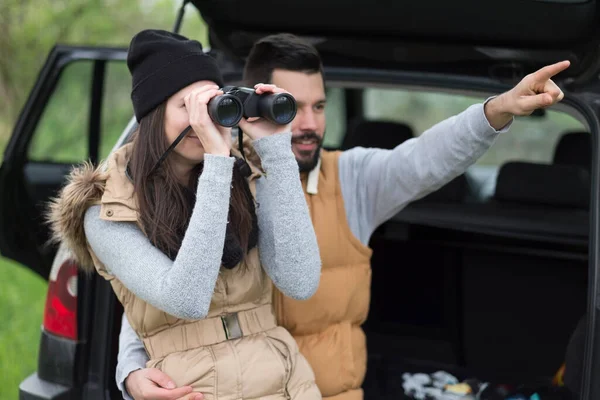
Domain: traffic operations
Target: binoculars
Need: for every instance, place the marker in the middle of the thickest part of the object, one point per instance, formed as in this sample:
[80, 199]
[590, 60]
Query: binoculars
[240, 102]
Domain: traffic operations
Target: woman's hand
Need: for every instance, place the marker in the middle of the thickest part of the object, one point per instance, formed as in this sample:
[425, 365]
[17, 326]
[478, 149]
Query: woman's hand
[153, 384]
[214, 138]
[257, 128]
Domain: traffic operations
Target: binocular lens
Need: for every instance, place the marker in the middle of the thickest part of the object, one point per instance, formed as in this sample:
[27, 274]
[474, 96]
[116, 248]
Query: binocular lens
[225, 110]
[228, 109]
[283, 109]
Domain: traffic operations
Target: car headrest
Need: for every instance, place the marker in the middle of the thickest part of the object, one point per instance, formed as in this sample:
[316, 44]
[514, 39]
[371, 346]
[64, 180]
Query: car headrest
[376, 134]
[543, 184]
[453, 192]
[574, 148]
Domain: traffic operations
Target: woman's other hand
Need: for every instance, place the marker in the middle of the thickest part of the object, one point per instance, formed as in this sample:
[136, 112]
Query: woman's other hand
[257, 128]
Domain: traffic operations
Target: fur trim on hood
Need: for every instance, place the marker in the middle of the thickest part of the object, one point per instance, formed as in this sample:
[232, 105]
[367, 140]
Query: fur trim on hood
[65, 213]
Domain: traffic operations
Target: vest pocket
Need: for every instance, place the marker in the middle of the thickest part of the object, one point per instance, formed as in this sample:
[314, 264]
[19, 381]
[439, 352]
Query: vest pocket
[195, 368]
[264, 366]
[281, 351]
[300, 382]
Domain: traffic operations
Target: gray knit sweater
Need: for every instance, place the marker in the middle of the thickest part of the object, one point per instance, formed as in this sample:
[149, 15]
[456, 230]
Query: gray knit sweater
[287, 244]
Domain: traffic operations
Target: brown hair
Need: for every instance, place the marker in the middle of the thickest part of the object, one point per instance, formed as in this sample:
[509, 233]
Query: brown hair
[280, 51]
[165, 205]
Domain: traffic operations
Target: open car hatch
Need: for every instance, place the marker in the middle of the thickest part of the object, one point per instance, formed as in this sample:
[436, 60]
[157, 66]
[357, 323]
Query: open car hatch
[501, 40]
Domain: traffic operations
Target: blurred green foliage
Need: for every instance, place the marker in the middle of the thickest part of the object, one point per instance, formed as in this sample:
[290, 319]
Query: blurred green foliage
[22, 297]
[30, 28]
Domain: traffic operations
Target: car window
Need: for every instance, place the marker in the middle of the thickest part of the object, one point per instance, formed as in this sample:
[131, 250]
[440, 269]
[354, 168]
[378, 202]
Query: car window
[335, 112]
[61, 134]
[116, 105]
[531, 138]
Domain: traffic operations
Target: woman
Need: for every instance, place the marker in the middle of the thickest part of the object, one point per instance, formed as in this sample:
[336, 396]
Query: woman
[176, 232]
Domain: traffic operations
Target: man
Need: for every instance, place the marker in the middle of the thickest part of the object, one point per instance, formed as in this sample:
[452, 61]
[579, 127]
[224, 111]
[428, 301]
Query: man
[349, 194]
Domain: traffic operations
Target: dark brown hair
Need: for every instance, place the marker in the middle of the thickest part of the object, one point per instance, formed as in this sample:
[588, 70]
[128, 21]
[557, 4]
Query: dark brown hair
[165, 205]
[280, 51]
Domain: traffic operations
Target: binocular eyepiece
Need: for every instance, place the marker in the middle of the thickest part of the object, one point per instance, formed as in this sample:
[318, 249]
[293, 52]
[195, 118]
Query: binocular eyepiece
[239, 102]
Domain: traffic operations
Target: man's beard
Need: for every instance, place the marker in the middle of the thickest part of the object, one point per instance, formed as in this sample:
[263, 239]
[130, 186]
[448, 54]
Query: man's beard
[308, 164]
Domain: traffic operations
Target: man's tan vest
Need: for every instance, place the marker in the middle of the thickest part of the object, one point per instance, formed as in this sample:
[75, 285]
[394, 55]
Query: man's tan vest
[237, 351]
[327, 327]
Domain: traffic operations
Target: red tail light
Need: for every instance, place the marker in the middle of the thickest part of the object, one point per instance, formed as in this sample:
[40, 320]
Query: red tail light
[60, 314]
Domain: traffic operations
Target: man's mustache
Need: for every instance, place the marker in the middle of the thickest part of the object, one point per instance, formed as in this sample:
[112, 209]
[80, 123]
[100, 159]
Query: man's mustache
[307, 136]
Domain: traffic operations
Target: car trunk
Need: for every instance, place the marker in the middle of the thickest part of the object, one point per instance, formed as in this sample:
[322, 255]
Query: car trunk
[492, 306]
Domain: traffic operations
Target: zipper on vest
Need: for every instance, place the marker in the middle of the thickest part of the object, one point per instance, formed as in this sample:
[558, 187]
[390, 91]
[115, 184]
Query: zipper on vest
[279, 307]
[226, 286]
[223, 290]
[225, 294]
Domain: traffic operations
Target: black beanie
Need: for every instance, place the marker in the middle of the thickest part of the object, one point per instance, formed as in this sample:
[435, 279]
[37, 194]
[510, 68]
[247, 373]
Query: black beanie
[161, 64]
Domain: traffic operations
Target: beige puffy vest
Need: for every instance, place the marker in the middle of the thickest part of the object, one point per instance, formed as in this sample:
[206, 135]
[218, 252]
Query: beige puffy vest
[237, 351]
[327, 327]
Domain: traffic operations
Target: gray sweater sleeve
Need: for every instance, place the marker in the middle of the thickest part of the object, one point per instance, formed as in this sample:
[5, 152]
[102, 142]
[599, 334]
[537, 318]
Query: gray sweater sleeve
[184, 287]
[132, 355]
[288, 245]
[376, 184]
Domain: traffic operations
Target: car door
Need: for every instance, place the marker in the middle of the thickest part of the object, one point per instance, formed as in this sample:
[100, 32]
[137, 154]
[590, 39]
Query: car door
[78, 107]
